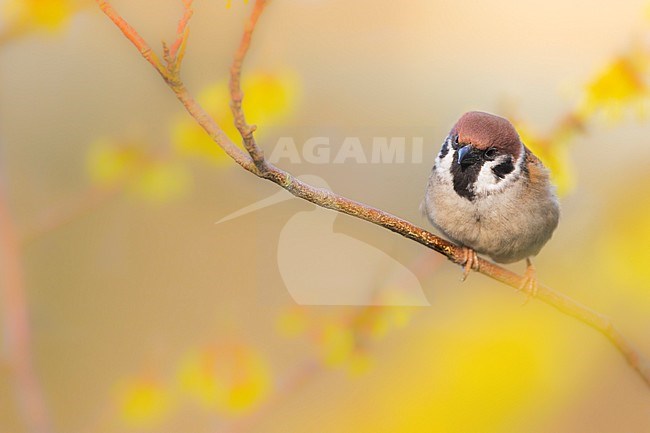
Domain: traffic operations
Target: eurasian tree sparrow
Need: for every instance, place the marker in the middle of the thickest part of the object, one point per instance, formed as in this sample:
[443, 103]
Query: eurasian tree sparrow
[490, 194]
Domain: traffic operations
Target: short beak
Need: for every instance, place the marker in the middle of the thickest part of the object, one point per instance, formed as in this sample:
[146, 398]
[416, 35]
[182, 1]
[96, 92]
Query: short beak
[463, 153]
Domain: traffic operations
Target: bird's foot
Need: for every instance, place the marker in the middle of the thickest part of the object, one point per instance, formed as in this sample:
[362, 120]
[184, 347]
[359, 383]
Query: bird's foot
[470, 262]
[529, 283]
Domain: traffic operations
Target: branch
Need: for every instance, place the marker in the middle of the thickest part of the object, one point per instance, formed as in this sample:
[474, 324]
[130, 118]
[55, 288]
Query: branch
[27, 387]
[172, 78]
[236, 94]
[255, 163]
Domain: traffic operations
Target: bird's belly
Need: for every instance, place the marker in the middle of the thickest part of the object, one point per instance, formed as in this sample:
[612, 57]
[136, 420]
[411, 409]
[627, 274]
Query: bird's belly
[500, 226]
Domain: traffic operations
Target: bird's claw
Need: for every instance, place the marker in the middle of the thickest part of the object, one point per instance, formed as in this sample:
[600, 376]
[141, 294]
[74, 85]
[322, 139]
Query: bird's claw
[470, 262]
[529, 282]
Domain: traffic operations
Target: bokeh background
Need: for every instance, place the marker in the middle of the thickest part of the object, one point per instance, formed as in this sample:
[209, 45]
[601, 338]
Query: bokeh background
[145, 315]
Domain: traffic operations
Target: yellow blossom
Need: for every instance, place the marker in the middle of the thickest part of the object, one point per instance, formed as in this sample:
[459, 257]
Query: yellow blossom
[625, 245]
[143, 401]
[229, 377]
[45, 14]
[377, 321]
[359, 362]
[292, 322]
[337, 344]
[619, 86]
[269, 99]
[162, 181]
[110, 163]
[483, 369]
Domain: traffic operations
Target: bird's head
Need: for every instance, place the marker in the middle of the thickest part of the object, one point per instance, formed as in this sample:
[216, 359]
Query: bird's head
[482, 153]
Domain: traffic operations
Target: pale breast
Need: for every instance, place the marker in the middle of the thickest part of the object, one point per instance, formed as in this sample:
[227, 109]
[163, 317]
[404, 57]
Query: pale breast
[508, 226]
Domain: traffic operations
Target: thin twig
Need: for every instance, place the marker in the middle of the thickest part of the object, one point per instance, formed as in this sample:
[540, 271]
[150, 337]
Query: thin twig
[132, 35]
[236, 94]
[256, 164]
[195, 110]
[27, 388]
[183, 29]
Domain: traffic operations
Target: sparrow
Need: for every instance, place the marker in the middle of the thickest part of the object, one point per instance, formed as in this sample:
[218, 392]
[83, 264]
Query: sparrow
[490, 194]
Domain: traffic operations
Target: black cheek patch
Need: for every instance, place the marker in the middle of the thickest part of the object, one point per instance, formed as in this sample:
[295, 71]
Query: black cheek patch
[504, 168]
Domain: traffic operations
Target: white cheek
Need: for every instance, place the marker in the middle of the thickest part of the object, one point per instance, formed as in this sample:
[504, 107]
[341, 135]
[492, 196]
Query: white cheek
[486, 178]
[488, 183]
[444, 164]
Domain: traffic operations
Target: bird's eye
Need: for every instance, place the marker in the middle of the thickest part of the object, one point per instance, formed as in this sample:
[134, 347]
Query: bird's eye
[454, 142]
[490, 153]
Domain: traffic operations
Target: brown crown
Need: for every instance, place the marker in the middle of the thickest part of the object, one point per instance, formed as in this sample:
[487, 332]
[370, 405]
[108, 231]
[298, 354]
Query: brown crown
[484, 130]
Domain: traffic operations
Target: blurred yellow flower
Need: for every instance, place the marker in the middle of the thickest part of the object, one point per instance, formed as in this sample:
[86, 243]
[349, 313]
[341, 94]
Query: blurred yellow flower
[269, 99]
[620, 85]
[110, 163]
[336, 344]
[554, 153]
[377, 321]
[483, 369]
[143, 401]
[292, 321]
[625, 245]
[162, 181]
[45, 14]
[489, 375]
[229, 377]
[359, 362]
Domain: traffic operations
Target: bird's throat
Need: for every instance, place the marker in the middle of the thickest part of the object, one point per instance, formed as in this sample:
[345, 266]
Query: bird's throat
[464, 178]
